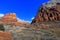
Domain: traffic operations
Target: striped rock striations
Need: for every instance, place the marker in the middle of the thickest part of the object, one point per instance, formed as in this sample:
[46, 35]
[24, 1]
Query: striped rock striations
[48, 13]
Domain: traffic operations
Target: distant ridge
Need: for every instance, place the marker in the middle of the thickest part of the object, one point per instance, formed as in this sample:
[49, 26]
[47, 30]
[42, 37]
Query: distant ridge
[11, 18]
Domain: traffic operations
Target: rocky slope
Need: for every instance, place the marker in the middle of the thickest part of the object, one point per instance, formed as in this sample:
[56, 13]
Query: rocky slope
[5, 36]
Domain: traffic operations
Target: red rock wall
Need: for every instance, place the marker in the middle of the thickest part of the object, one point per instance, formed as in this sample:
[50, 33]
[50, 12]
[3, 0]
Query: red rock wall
[47, 14]
[5, 36]
[10, 18]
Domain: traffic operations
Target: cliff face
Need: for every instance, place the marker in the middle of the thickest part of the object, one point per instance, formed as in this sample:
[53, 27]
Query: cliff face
[10, 18]
[48, 13]
[5, 36]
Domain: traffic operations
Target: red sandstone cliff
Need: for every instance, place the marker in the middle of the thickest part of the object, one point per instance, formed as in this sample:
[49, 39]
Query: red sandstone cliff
[46, 14]
[10, 18]
[5, 36]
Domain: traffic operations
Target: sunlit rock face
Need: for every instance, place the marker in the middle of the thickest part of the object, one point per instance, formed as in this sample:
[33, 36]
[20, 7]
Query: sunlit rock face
[9, 18]
[49, 11]
[51, 3]
[5, 36]
[57, 1]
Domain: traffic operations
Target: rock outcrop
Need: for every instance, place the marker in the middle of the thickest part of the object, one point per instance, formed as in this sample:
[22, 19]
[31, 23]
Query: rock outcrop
[5, 36]
[48, 13]
[11, 18]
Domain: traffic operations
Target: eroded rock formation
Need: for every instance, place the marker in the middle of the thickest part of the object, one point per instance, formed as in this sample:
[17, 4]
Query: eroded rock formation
[48, 13]
[11, 18]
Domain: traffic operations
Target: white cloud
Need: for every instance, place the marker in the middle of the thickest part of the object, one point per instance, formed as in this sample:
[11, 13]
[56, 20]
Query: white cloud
[32, 18]
[21, 20]
[1, 14]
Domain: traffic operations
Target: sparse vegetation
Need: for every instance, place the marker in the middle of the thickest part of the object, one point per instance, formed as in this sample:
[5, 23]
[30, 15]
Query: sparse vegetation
[2, 27]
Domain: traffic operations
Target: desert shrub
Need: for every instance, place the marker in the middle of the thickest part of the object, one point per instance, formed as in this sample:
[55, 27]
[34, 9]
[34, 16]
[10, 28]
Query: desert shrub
[2, 27]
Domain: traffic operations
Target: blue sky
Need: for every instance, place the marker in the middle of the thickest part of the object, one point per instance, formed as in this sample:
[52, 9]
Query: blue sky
[24, 9]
